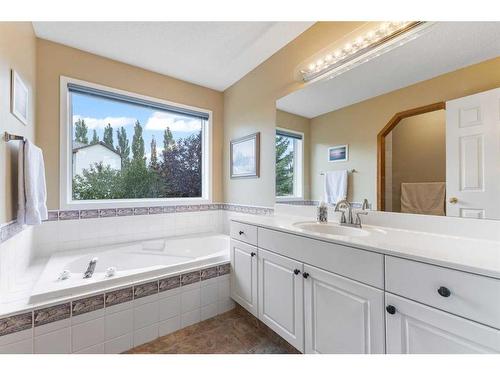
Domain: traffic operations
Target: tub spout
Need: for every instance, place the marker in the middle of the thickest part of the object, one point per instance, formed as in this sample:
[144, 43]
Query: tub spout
[90, 268]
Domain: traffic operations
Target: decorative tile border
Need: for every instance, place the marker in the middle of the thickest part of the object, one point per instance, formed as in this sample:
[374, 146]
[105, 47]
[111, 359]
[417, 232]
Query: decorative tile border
[16, 323]
[190, 278]
[52, 314]
[41, 316]
[119, 296]
[144, 290]
[209, 273]
[224, 269]
[169, 283]
[130, 211]
[87, 304]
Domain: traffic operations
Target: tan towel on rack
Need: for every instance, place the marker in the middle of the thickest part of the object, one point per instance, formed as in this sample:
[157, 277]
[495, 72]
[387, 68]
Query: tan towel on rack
[426, 198]
[32, 191]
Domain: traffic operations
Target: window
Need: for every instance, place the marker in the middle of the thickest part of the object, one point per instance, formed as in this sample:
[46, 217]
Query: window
[123, 147]
[289, 164]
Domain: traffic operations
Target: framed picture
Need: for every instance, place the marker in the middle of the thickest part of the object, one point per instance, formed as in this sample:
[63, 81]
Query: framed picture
[245, 156]
[338, 153]
[19, 97]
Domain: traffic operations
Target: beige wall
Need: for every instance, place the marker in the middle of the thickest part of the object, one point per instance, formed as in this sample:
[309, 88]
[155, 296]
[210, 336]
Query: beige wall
[301, 124]
[359, 124]
[250, 106]
[418, 152]
[18, 52]
[55, 60]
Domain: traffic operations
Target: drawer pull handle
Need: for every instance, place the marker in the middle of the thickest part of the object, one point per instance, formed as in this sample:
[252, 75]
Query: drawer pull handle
[241, 232]
[390, 309]
[444, 291]
[306, 275]
[296, 271]
[252, 254]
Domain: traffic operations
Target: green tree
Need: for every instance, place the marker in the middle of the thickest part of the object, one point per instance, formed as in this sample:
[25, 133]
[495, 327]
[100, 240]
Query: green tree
[123, 147]
[168, 138]
[98, 182]
[284, 167]
[153, 163]
[81, 132]
[138, 144]
[108, 135]
[95, 138]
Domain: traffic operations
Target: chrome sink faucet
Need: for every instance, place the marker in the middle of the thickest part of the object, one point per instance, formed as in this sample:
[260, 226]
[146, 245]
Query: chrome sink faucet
[344, 206]
[90, 268]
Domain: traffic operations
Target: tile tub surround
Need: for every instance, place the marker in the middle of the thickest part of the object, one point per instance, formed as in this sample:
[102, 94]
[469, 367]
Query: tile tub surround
[119, 319]
[10, 229]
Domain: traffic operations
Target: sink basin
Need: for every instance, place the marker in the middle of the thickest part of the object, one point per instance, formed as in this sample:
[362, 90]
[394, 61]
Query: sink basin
[328, 228]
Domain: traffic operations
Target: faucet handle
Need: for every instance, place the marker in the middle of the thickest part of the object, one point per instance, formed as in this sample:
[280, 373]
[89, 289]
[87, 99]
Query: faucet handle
[358, 218]
[342, 218]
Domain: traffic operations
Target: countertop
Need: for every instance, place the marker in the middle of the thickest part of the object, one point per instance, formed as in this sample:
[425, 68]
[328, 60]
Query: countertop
[462, 253]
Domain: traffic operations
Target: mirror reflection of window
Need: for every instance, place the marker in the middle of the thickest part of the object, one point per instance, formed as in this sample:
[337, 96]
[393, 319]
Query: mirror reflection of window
[289, 171]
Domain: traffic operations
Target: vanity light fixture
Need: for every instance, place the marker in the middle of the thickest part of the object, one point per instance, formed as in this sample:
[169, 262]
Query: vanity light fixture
[363, 48]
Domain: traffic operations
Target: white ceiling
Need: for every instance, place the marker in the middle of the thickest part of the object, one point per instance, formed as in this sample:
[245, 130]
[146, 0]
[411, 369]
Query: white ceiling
[447, 46]
[211, 54]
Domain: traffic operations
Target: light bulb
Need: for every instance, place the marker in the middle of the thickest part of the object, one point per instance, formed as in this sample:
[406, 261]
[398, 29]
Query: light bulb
[370, 35]
[328, 57]
[311, 66]
[347, 47]
[337, 54]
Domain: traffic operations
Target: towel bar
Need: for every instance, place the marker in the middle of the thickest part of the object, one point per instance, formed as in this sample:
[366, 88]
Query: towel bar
[13, 137]
[349, 171]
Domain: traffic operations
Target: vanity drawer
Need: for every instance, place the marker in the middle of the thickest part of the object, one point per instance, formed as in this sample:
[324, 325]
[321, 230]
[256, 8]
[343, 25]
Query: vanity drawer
[243, 232]
[471, 296]
[356, 264]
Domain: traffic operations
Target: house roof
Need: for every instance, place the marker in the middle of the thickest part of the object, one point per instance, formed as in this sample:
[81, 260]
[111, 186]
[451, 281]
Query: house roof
[77, 146]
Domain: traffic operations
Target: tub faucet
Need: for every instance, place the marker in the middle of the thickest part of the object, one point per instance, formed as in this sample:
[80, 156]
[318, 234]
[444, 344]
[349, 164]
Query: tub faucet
[90, 268]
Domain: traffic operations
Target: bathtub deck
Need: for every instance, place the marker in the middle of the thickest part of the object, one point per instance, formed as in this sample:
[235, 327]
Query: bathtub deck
[235, 332]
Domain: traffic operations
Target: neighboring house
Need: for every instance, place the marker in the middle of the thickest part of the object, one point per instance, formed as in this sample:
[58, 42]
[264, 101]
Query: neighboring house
[85, 156]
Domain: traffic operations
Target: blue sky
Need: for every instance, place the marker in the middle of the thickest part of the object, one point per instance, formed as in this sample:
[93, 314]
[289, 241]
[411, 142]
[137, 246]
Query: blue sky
[98, 112]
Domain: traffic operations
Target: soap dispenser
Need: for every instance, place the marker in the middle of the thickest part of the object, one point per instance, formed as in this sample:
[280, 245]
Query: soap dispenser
[322, 213]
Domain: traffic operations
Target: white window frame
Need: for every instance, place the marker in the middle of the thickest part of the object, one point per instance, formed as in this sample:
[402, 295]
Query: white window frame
[298, 176]
[65, 155]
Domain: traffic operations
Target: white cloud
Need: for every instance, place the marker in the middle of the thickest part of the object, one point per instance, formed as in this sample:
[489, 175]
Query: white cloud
[100, 123]
[160, 121]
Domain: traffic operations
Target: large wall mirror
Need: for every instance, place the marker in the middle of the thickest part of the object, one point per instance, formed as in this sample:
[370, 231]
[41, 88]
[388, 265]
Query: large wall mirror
[415, 130]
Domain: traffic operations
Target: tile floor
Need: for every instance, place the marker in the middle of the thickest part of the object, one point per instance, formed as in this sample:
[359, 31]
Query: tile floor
[234, 332]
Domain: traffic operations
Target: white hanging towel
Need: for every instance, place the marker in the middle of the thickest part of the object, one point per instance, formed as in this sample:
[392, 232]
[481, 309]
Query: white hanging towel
[32, 191]
[335, 186]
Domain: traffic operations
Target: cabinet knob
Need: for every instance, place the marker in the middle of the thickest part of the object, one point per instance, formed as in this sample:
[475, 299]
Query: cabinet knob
[306, 275]
[296, 271]
[252, 254]
[241, 232]
[390, 309]
[444, 291]
[453, 200]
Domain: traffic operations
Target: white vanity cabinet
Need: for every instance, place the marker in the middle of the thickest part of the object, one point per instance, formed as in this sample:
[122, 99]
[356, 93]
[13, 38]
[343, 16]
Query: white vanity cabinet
[244, 275]
[414, 328]
[324, 297]
[281, 289]
[341, 315]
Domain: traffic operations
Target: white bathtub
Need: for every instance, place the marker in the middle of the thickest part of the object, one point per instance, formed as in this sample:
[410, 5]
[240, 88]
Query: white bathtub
[134, 261]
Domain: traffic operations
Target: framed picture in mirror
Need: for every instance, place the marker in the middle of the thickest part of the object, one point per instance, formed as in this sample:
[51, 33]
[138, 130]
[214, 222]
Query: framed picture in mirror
[338, 153]
[245, 156]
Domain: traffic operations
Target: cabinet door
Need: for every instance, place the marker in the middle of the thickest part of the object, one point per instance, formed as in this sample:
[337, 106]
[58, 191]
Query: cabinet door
[281, 296]
[341, 315]
[244, 275]
[414, 328]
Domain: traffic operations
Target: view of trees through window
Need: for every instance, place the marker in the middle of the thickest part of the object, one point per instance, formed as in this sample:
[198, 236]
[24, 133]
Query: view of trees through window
[127, 151]
[284, 165]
